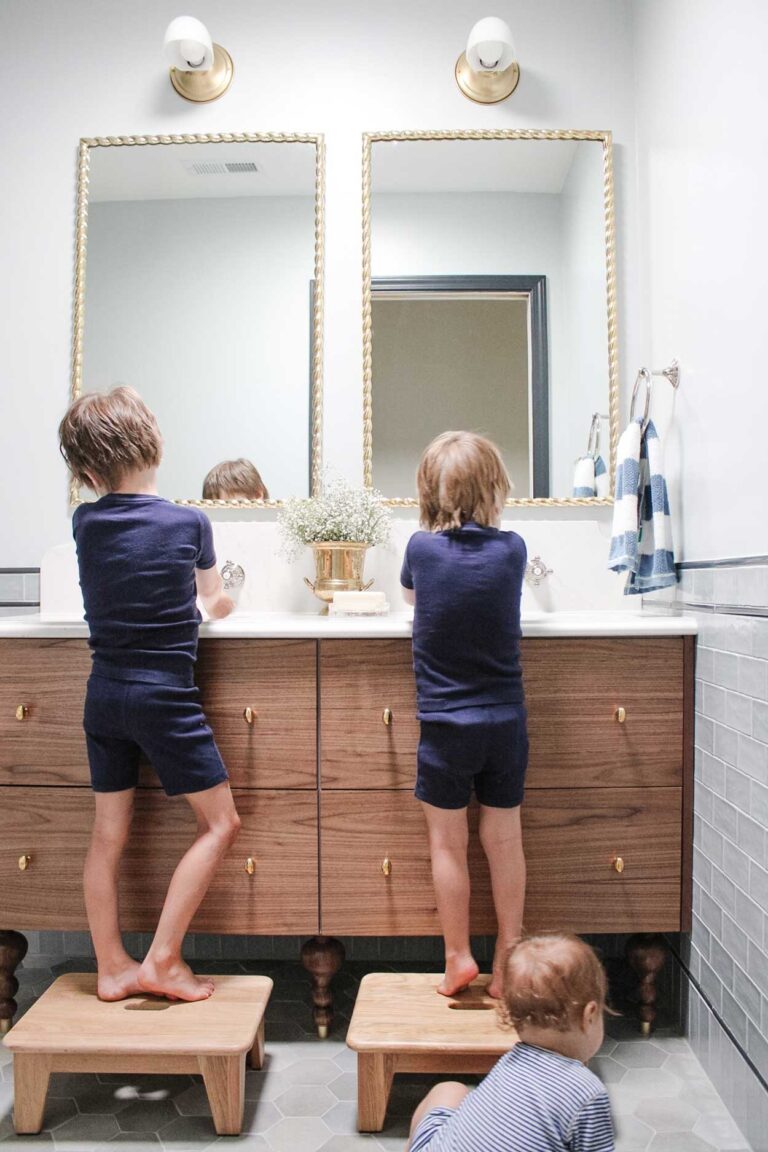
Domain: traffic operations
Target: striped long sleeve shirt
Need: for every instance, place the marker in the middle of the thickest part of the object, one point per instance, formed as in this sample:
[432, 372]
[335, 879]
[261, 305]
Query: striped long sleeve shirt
[532, 1100]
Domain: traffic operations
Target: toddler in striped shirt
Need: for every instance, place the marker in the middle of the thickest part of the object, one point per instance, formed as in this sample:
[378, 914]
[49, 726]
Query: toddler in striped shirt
[539, 1097]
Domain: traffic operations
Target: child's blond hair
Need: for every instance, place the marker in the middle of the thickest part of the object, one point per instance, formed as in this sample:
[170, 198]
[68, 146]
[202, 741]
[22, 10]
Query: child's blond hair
[549, 980]
[234, 479]
[105, 435]
[461, 477]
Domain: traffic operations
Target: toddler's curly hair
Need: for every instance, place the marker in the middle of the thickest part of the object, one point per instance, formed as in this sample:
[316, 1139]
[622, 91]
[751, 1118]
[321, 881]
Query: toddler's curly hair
[549, 980]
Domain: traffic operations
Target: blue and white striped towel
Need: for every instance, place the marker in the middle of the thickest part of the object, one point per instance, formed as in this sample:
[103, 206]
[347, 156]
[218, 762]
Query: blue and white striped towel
[590, 477]
[641, 544]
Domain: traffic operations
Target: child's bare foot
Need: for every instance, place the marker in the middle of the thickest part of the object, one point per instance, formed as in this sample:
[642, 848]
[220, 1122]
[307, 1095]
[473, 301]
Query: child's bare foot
[174, 979]
[119, 983]
[459, 974]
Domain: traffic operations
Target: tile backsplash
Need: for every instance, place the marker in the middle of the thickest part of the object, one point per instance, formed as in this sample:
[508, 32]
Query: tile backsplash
[728, 949]
[576, 552]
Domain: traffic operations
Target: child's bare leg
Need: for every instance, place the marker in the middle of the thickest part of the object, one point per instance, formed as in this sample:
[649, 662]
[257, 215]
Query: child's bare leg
[502, 841]
[448, 840]
[448, 1094]
[164, 972]
[118, 972]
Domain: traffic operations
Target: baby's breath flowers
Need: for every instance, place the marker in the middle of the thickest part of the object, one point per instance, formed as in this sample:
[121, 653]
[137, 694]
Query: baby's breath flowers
[340, 512]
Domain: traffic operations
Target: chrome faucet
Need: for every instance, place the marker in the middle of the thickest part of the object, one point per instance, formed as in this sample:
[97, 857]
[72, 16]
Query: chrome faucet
[233, 576]
[536, 571]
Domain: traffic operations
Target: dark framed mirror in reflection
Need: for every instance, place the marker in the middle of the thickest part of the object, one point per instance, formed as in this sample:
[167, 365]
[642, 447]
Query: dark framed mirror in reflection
[489, 302]
[199, 282]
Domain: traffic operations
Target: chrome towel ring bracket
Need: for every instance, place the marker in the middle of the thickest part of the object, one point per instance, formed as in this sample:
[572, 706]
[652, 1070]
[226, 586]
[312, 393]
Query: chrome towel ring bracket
[643, 377]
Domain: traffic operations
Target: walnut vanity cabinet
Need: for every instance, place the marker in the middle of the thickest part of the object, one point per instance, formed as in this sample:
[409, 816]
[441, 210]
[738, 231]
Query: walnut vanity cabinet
[606, 820]
[607, 815]
[261, 701]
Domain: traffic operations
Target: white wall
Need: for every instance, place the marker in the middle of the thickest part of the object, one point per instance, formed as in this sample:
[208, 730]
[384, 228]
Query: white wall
[584, 390]
[203, 306]
[80, 69]
[702, 171]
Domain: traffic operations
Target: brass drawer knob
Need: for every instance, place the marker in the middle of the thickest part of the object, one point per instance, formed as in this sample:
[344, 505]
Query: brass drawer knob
[24, 862]
[617, 864]
[249, 715]
[620, 715]
[250, 865]
[22, 712]
[386, 716]
[386, 866]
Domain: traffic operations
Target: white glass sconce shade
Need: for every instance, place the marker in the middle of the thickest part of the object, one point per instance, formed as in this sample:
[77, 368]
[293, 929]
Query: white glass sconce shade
[200, 70]
[188, 45]
[487, 71]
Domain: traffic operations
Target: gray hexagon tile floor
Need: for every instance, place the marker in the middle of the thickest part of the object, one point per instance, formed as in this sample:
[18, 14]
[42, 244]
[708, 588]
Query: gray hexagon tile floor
[304, 1099]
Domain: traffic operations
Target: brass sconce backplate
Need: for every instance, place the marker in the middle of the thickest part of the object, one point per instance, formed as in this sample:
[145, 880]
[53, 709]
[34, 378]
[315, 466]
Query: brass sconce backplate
[204, 86]
[486, 87]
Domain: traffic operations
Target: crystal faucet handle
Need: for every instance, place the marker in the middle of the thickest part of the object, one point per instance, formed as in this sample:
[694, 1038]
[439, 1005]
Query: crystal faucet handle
[536, 571]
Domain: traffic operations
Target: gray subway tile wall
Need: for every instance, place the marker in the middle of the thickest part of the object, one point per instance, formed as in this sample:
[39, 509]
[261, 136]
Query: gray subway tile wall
[728, 954]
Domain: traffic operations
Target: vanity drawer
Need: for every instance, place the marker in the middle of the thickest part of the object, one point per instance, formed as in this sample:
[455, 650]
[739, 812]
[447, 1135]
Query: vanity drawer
[360, 681]
[604, 712]
[572, 840]
[42, 691]
[376, 878]
[277, 681]
[575, 841]
[574, 690]
[52, 826]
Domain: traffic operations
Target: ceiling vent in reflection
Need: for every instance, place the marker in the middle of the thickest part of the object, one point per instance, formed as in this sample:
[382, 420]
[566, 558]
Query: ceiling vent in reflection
[214, 168]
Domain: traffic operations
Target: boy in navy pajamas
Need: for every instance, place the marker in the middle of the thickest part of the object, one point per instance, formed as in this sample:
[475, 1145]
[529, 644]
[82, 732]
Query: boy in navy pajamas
[143, 561]
[465, 578]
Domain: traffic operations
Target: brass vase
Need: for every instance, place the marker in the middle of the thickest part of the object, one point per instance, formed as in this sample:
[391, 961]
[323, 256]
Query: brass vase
[338, 568]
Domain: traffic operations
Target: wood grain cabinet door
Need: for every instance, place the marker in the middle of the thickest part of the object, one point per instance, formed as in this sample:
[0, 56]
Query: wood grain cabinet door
[260, 698]
[603, 861]
[604, 712]
[368, 727]
[267, 884]
[376, 877]
[42, 692]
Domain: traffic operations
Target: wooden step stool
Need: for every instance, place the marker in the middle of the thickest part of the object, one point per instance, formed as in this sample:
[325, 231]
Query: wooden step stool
[401, 1023]
[70, 1030]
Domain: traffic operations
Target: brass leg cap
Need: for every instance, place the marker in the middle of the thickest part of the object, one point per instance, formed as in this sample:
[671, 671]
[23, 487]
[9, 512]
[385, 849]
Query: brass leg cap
[322, 1031]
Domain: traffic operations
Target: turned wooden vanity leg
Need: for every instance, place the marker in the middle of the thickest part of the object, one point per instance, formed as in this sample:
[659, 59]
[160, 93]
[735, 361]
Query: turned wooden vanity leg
[13, 949]
[647, 955]
[322, 956]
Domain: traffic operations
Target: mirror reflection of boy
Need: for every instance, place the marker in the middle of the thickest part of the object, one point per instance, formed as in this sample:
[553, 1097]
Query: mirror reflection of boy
[143, 561]
[234, 480]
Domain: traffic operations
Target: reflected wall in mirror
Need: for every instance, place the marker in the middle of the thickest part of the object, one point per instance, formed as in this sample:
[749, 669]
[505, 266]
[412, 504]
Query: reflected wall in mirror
[489, 302]
[200, 285]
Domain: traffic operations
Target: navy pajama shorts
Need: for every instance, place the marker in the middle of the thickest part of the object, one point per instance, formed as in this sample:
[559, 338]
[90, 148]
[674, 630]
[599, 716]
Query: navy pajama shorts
[484, 748]
[124, 718]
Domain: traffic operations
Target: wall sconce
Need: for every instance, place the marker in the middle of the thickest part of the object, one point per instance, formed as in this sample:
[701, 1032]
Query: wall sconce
[200, 70]
[487, 71]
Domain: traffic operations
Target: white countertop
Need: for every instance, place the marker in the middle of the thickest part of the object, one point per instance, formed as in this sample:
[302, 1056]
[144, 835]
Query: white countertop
[310, 625]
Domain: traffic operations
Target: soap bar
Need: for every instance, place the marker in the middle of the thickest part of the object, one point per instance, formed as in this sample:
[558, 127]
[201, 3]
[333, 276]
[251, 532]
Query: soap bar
[360, 602]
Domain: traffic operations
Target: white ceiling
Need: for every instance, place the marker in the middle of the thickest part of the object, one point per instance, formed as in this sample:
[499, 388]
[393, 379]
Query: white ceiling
[473, 165]
[161, 171]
